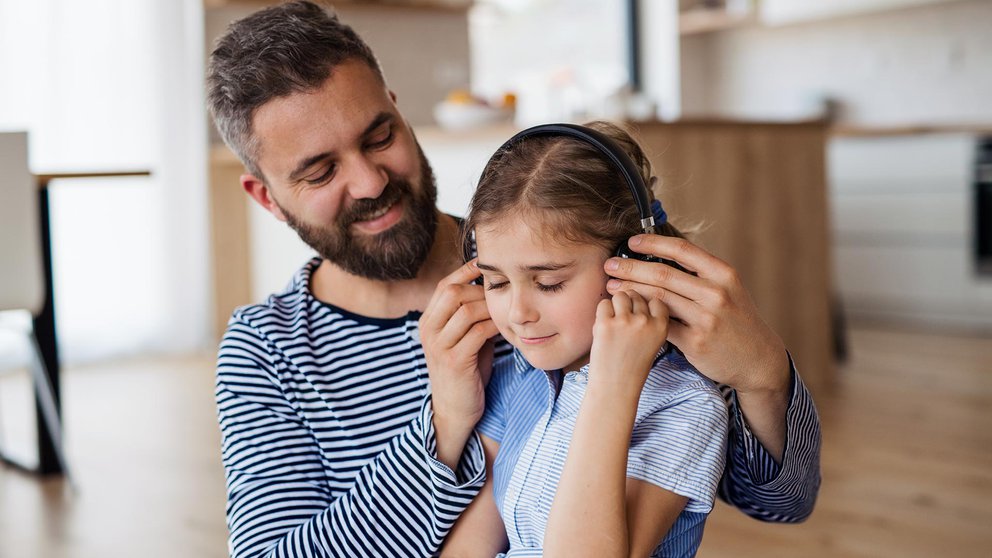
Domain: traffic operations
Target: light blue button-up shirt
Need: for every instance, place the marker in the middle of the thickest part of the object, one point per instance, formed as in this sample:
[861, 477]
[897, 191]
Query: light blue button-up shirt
[678, 443]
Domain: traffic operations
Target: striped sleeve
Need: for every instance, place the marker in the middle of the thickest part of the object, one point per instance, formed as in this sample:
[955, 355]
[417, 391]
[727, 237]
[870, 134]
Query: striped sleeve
[759, 486]
[402, 502]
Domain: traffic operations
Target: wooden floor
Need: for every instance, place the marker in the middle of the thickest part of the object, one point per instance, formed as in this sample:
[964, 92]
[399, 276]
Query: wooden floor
[907, 463]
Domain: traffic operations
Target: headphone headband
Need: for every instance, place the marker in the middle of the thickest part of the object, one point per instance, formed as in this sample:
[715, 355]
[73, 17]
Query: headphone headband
[607, 147]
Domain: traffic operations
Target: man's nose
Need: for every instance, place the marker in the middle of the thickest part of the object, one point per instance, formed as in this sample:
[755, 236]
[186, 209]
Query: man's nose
[366, 179]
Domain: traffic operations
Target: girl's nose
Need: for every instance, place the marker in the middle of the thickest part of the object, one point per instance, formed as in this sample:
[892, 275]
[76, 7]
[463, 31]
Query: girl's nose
[522, 310]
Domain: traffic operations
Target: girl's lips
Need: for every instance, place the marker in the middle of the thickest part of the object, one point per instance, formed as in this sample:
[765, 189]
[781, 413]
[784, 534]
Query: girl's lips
[536, 340]
[383, 222]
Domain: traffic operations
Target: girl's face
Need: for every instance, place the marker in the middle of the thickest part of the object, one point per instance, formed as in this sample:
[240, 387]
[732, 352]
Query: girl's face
[541, 293]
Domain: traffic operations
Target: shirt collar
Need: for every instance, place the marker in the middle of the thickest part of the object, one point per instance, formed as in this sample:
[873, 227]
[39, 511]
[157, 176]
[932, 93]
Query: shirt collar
[521, 365]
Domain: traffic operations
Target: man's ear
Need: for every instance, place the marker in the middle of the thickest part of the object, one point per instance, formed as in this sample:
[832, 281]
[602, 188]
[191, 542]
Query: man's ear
[259, 192]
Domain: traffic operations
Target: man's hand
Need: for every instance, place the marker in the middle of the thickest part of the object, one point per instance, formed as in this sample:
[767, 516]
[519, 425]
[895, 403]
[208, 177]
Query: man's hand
[716, 325]
[455, 330]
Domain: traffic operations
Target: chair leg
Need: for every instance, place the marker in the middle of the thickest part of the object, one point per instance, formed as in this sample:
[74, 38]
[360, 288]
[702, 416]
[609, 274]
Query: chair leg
[49, 411]
[49, 422]
[48, 415]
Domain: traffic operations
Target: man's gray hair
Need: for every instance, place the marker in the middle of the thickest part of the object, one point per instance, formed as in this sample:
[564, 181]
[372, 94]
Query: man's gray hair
[272, 53]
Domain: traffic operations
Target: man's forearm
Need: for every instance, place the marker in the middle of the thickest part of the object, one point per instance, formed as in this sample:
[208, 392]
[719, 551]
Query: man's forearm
[764, 406]
[782, 486]
[450, 437]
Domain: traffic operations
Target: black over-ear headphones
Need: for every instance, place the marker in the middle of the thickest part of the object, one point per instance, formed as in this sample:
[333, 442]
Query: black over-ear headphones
[620, 160]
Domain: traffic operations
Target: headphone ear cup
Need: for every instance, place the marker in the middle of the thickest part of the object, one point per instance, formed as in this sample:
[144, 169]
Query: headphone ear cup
[624, 251]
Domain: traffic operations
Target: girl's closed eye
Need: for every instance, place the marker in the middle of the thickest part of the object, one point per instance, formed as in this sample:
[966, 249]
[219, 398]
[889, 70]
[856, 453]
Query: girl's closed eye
[492, 285]
[554, 288]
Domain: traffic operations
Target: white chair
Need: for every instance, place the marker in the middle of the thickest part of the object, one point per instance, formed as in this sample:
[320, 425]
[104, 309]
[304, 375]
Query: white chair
[22, 279]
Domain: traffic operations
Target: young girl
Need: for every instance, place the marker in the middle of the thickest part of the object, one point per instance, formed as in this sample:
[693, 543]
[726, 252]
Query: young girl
[609, 443]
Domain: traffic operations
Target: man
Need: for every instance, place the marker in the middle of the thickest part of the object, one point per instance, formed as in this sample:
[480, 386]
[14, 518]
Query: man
[345, 433]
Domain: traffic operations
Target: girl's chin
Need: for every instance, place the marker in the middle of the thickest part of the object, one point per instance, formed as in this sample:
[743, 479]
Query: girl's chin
[543, 361]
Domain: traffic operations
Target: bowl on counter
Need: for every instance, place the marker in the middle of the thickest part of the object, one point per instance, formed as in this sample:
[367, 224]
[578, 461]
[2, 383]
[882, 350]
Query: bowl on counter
[464, 116]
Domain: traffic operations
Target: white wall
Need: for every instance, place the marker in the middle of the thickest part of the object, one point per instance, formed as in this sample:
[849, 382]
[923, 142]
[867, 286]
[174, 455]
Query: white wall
[116, 85]
[930, 64]
[424, 52]
[561, 58]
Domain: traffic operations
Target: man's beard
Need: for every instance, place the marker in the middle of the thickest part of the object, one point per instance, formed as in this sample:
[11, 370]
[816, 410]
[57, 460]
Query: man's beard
[392, 255]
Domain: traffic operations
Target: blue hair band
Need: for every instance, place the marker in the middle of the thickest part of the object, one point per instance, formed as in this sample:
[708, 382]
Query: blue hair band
[660, 217]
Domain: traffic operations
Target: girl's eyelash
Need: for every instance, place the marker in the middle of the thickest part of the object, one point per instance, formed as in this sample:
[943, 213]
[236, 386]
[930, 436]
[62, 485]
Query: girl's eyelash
[491, 286]
[557, 287]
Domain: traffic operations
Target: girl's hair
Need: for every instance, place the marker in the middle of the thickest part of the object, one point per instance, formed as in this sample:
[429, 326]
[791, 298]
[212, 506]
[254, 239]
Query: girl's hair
[566, 187]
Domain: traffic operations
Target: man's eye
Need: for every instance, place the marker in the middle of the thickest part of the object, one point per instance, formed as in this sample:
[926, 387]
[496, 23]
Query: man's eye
[324, 177]
[557, 287]
[378, 144]
[492, 285]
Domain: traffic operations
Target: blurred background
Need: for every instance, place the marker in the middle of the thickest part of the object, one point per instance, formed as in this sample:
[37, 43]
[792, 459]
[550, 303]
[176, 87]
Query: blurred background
[839, 154]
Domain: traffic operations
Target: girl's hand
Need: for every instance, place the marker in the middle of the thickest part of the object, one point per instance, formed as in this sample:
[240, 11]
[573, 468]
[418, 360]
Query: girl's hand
[627, 335]
[455, 330]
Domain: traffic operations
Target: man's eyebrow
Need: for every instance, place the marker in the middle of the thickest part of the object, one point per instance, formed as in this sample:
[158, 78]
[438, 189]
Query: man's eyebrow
[307, 163]
[379, 120]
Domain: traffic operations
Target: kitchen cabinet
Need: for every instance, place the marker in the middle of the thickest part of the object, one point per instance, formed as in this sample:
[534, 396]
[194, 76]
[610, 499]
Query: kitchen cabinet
[695, 17]
[780, 12]
[903, 228]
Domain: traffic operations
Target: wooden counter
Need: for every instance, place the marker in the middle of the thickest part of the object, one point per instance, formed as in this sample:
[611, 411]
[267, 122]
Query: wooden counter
[229, 237]
[758, 193]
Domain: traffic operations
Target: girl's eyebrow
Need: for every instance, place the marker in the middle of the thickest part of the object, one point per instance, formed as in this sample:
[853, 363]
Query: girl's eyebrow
[539, 267]
[547, 266]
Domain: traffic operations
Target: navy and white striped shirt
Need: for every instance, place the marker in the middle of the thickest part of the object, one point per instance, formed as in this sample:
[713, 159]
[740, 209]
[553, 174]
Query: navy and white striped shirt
[328, 444]
[327, 436]
[678, 443]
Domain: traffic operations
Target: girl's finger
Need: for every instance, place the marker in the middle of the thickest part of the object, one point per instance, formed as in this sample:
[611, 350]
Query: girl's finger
[621, 303]
[657, 309]
[637, 304]
[604, 310]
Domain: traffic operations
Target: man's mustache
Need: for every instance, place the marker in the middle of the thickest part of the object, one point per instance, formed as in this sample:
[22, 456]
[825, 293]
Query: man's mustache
[362, 209]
